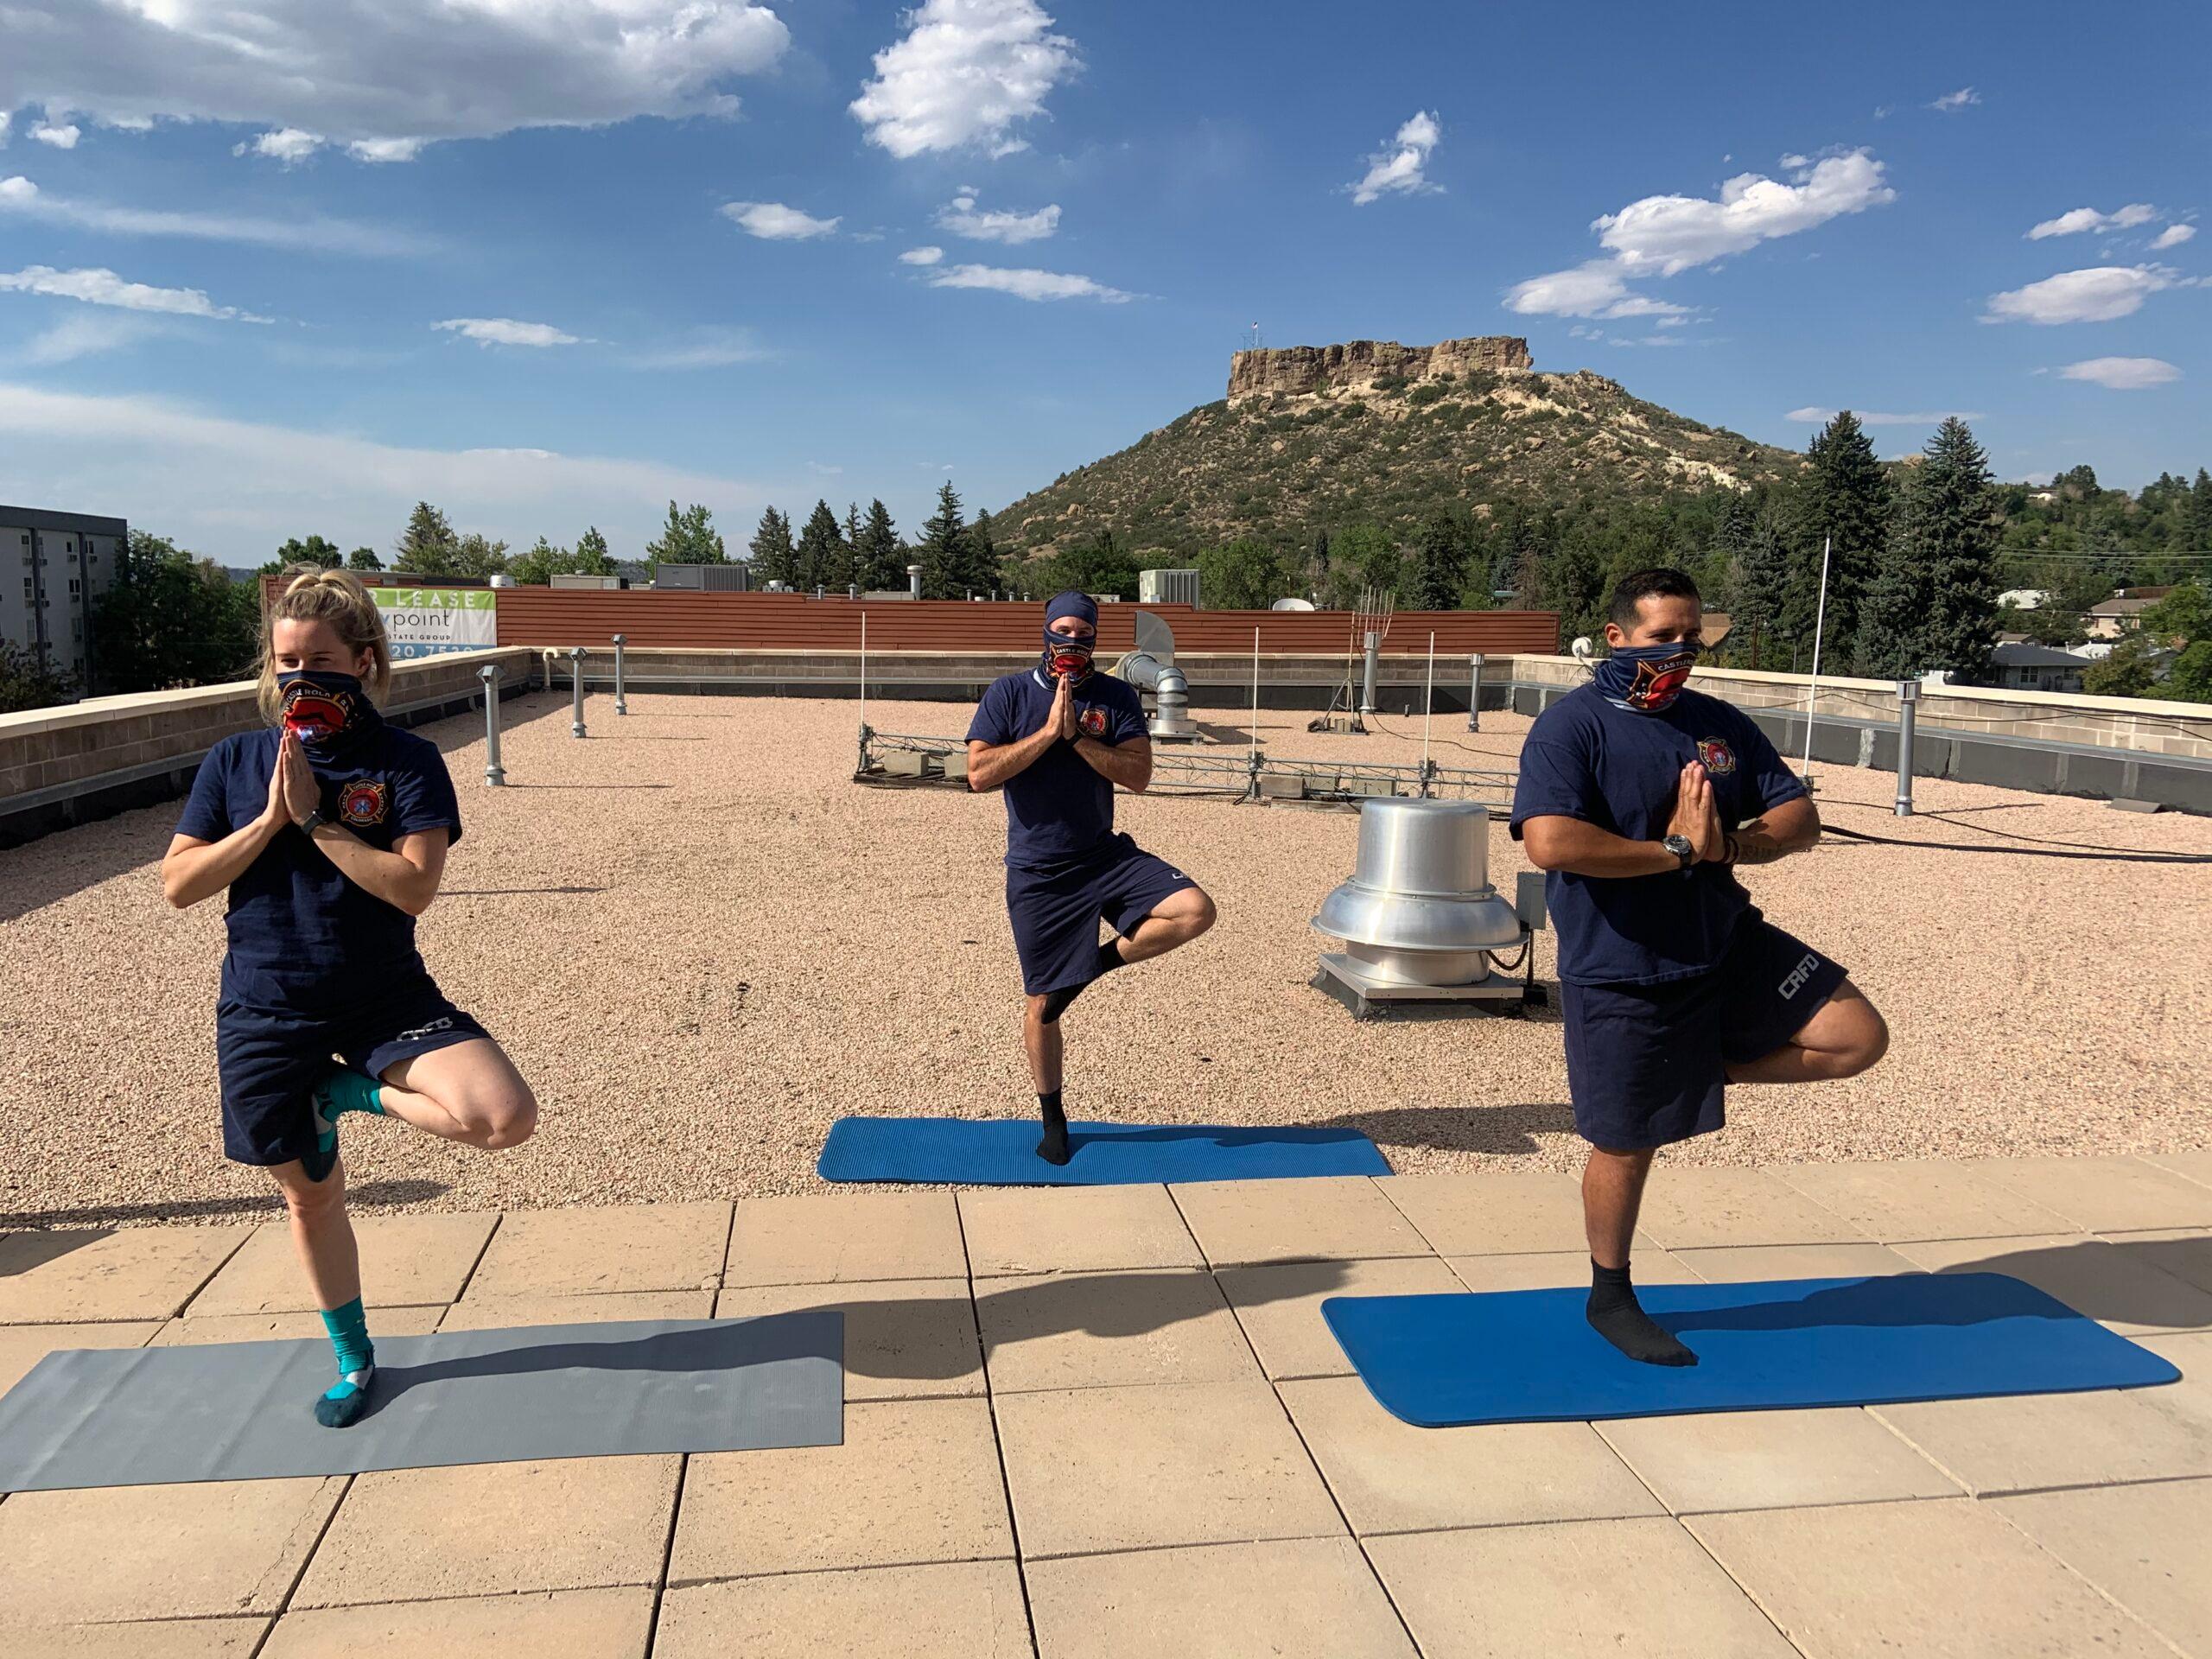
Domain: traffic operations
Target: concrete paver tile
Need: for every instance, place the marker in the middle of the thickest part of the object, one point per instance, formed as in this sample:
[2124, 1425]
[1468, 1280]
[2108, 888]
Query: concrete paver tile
[503, 1313]
[1703, 1461]
[486, 1528]
[289, 1327]
[2145, 1546]
[1923, 1198]
[599, 1624]
[2190, 1399]
[1552, 1269]
[1390, 1477]
[1938, 1576]
[907, 1339]
[198, 1550]
[621, 1247]
[138, 1273]
[1173, 1463]
[2004, 1445]
[2104, 1195]
[160, 1638]
[1571, 1589]
[1289, 1598]
[1482, 1213]
[1279, 1305]
[1095, 1330]
[2191, 1166]
[408, 1259]
[2186, 1253]
[915, 1481]
[1075, 1229]
[957, 1610]
[1337, 1217]
[1747, 1264]
[1691, 1206]
[832, 1238]
[23, 1346]
[2116, 1284]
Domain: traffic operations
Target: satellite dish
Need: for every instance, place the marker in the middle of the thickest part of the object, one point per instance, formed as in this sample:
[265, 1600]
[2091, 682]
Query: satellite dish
[1292, 605]
[1582, 649]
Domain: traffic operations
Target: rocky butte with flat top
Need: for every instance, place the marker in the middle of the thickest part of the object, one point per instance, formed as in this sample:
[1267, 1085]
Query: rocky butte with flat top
[1361, 362]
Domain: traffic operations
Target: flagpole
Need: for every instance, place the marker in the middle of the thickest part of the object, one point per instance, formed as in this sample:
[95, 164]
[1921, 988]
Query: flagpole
[1820, 625]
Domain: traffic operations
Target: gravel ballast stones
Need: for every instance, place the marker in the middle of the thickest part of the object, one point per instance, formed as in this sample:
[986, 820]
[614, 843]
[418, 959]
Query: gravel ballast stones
[702, 943]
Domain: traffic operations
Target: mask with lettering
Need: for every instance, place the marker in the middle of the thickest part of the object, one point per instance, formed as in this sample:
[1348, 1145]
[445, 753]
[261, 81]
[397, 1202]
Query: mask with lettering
[324, 711]
[1644, 678]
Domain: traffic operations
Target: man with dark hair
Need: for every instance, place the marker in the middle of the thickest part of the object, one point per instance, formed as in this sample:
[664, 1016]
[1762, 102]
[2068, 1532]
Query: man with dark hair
[1640, 798]
[1058, 737]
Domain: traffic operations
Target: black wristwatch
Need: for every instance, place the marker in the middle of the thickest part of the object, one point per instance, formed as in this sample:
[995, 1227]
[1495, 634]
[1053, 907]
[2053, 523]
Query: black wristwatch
[315, 820]
[1681, 848]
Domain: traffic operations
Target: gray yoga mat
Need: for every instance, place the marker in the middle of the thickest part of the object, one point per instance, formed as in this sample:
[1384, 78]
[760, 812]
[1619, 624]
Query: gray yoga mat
[241, 1410]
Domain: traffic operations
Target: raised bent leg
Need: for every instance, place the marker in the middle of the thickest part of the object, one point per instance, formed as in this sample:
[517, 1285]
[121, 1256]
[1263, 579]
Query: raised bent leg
[1845, 1035]
[1175, 920]
[468, 1092]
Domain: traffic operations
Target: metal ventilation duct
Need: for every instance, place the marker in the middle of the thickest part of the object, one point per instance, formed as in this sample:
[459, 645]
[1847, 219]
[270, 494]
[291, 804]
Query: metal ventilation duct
[1419, 910]
[1151, 667]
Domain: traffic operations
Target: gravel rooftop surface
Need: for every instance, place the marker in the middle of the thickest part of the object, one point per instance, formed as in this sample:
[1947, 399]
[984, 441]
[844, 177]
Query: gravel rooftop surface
[702, 943]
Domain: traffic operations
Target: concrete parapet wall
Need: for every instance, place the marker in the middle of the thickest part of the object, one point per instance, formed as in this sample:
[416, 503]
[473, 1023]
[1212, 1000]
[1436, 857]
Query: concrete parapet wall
[86, 760]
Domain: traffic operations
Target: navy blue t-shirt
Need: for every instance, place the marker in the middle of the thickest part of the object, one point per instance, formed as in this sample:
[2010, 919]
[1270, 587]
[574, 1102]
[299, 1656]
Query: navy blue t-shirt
[1620, 770]
[1058, 809]
[303, 938]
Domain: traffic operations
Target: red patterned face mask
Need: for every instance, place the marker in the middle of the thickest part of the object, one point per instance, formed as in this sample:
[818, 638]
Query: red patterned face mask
[319, 708]
[1067, 659]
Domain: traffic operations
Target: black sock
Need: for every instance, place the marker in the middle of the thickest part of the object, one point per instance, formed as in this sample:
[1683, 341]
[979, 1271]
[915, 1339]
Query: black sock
[1110, 956]
[1616, 1315]
[1056, 1003]
[1053, 1149]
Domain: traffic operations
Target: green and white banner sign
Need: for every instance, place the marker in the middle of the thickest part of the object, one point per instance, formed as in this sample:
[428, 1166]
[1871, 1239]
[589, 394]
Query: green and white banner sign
[431, 621]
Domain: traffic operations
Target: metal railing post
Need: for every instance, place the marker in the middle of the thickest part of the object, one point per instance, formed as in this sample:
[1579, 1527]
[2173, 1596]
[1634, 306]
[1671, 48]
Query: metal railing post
[1474, 691]
[494, 773]
[622, 701]
[1908, 705]
[576, 691]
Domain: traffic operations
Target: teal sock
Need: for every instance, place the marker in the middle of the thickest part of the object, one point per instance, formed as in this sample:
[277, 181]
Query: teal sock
[342, 1403]
[344, 1090]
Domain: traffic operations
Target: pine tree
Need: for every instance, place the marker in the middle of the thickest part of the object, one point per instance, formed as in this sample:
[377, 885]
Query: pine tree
[1933, 604]
[1439, 564]
[592, 558]
[688, 537]
[983, 574]
[2200, 513]
[774, 558]
[1762, 578]
[942, 554]
[1848, 502]
[824, 560]
[878, 554]
[427, 543]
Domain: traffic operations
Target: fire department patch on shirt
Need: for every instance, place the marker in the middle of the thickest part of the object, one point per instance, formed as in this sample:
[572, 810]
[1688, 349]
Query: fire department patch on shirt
[1718, 757]
[365, 801]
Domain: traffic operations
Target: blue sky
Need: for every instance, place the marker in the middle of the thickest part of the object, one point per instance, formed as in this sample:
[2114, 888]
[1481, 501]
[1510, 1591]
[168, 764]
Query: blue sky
[274, 267]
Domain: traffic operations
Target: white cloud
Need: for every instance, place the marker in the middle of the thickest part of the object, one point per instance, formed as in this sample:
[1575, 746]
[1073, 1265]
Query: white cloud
[773, 222]
[2122, 373]
[921, 256]
[505, 331]
[1873, 417]
[963, 218]
[309, 230]
[1028, 285]
[2174, 235]
[1668, 234]
[1952, 103]
[59, 137]
[231, 488]
[291, 145]
[1584, 291]
[963, 73]
[101, 287]
[386, 78]
[712, 348]
[7, 120]
[2088, 219]
[2097, 295]
[1400, 168]
[87, 333]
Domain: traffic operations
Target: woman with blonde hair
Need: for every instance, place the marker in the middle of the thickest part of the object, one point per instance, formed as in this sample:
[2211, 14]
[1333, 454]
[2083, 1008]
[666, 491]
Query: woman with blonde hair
[330, 831]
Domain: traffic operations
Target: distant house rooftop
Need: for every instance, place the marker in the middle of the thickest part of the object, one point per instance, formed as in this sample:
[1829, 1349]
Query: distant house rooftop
[2026, 654]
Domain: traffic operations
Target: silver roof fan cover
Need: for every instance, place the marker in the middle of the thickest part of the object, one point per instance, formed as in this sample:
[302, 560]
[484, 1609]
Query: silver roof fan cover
[1418, 909]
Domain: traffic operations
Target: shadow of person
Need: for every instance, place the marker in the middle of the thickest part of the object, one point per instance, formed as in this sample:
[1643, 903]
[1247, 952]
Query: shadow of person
[2149, 1282]
[268, 1204]
[1460, 1128]
[22, 1252]
[1918, 1300]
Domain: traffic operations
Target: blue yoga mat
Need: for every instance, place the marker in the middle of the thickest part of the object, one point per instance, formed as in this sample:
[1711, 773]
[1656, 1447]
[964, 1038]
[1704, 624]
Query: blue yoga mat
[1529, 1356]
[1003, 1152]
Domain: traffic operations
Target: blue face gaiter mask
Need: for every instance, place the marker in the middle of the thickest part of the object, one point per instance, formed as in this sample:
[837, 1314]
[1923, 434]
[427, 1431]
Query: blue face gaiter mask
[324, 711]
[1644, 678]
[1065, 656]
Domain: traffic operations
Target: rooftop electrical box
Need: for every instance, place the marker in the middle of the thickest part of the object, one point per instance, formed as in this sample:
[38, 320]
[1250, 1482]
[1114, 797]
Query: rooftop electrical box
[1167, 587]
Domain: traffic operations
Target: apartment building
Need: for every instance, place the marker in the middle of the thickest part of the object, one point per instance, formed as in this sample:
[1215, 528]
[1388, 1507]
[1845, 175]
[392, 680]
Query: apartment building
[51, 565]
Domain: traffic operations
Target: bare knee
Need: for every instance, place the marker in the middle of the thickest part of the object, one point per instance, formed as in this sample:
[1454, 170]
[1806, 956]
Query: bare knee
[312, 1203]
[498, 1117]
[1203, 915]
[1032, 1010]
[1868, 1041]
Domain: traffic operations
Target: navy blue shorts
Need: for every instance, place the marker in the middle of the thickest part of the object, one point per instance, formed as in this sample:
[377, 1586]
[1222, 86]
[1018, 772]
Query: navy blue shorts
[1646, 1065]
[269, 1059]
[1056, 912]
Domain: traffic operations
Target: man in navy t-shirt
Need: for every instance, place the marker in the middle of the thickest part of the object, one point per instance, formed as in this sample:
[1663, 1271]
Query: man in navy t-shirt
[1056, 738]
[1640, 797]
